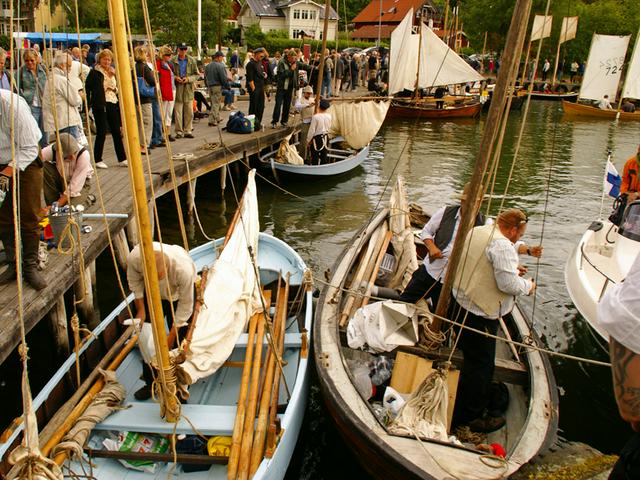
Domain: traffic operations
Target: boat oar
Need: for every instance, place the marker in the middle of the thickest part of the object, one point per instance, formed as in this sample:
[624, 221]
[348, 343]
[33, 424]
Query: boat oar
[275, 393]
[376, 268]
[84, 403]
[236, 439]
[257, 451]
[250, 413]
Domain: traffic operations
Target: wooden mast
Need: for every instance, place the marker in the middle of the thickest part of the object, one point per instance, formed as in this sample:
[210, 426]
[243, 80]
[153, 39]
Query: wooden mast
[170, 405]
[325, 29]
[514, 44]
[416, 90]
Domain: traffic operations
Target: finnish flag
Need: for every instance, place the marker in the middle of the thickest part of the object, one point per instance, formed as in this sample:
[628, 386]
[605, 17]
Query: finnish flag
[612, 180]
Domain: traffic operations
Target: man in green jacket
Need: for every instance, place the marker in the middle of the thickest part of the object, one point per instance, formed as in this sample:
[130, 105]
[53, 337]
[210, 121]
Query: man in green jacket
[186, 74]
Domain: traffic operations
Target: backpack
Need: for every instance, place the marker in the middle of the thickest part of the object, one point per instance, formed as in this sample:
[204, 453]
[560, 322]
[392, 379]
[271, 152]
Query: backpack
[238, 123]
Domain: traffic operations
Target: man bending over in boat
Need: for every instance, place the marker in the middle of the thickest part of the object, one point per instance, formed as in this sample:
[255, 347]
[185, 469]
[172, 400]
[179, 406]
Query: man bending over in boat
[605, 104]
[177, 284]
[630, 183]
[438, 235]
[485, 288]
[618, 314]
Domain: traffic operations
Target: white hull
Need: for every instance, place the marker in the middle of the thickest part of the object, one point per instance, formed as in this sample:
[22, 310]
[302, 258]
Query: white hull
[601, 259]
[336, 168]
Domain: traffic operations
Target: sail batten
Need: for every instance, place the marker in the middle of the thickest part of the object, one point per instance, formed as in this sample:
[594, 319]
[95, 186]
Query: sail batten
[604, 66]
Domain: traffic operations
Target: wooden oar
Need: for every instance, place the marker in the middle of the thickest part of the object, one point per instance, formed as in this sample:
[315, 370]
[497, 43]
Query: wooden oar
[250, 413]
[63, 412]
[257, 451]
[376, 268]
[79, 409]
[236, 441]
[273, 410]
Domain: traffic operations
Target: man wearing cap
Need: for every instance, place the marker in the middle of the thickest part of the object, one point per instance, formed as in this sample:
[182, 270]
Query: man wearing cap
[287, 77]
[72, 163]
[305, 105]
[19, 151]
[186, 74]
[215, 77]
[256, 77]
[318, 136]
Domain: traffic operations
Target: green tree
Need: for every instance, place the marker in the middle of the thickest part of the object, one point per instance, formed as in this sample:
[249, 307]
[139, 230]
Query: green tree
[253, 36]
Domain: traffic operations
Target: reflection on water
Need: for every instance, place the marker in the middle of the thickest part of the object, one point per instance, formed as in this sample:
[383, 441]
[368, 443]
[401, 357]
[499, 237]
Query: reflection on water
[557, 180]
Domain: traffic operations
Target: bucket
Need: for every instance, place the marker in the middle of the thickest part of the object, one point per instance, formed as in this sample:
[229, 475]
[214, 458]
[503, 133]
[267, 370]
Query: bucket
[58, 223]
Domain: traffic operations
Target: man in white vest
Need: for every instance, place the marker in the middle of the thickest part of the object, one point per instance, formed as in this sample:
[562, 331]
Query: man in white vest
[485, 288]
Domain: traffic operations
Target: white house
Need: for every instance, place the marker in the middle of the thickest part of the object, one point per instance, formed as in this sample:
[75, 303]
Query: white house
[295, 16]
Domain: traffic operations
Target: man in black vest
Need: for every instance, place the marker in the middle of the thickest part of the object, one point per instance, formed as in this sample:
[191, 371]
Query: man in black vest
[256, 78]
[438, 235]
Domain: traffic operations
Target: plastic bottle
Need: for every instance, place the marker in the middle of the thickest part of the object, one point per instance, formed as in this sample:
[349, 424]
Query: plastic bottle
[362, 381]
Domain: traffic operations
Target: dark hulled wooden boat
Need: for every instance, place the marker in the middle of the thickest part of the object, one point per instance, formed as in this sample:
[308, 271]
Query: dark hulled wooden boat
[413, 109]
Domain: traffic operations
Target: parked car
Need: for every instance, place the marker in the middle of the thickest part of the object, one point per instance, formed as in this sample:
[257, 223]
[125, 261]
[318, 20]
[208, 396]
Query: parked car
[351, 50]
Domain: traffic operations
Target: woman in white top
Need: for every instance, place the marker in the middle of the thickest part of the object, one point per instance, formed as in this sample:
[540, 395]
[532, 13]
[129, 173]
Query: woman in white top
[318, 136]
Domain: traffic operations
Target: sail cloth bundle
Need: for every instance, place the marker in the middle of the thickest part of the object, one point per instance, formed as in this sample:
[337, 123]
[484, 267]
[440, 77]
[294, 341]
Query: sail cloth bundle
[357, 122]
[403, 239]
[288, 153]
[231, 296]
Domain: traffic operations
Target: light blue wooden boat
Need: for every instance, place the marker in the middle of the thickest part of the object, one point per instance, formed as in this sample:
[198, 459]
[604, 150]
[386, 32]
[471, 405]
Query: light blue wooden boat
[211, 408]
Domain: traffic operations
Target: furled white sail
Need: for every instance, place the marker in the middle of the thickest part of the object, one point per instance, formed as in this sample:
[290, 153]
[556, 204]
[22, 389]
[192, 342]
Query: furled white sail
[231, 296]
[604, 66]
[569, 29]
[358, 122]
[632, 83]
[541, 27]
[444, 66]
[439, 65]
[402, 57]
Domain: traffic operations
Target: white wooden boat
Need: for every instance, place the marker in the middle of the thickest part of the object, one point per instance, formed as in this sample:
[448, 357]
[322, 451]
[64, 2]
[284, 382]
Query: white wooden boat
[211, 408]
[601, 259]
[531, 416]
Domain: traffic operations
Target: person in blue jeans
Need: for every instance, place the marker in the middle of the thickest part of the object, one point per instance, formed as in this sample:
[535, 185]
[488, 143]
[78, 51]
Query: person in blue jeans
[157, 139]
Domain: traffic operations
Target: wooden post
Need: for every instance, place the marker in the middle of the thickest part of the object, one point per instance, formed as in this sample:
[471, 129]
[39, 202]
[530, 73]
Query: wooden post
[514, 43]
[223, 179]
[191, 196]
[132, 233]
[83, 289]
[484, 48]
[58, 324]
[121, 246]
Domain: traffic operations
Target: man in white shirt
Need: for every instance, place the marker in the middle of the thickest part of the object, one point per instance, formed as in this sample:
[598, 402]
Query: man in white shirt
[485, 287]
[605, 104]
[619, 315]
[177, 277]
[25, 139]
[305, 105]
[318, 135]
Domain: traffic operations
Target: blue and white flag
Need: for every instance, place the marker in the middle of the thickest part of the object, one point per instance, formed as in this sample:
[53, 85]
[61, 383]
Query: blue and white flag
[612, 180]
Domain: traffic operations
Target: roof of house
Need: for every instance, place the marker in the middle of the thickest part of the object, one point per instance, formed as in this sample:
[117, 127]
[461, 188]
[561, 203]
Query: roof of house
[270, 8]
[371, 31]
[235, 10]
[393, 11]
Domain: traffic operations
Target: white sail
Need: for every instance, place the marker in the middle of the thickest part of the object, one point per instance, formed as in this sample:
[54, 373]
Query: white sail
[402, 57]
[444, 66]
[231, 296]
[569, 29]
[604, 66]
[358, 122]
[439, 65]
[541, 27]
[632, 83]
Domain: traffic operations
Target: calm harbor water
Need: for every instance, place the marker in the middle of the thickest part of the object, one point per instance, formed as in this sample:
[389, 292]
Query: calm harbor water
[557, 180]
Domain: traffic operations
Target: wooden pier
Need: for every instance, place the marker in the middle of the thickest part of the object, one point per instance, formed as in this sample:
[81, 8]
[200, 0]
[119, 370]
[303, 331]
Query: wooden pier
[211, 148]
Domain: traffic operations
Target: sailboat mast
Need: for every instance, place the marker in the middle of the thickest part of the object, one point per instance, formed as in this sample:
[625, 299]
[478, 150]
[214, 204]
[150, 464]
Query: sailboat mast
[416, 90]
[555, 66]
[171, 406]
[325, 30]
[511, 56]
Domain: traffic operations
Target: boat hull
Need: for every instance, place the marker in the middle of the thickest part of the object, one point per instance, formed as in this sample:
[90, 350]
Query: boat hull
[386, 456]
[579, 110]
[402, 110]
[330, 169]
[555, 97]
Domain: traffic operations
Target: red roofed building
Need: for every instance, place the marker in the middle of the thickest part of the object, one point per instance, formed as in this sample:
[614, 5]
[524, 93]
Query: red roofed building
[387, 14]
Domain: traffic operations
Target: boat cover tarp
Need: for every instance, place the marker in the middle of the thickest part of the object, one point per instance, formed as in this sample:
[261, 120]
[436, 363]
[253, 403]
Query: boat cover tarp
[632, 83]
[402, 241]
[231, 296]
[288, 153]
[358, 122]
[604, 66]
[383, 326]
[439, 64]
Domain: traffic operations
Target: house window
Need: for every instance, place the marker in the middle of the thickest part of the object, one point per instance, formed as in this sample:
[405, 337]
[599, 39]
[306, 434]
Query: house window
[296, 13]
[305, 14]
[296, 32]
[312, 14]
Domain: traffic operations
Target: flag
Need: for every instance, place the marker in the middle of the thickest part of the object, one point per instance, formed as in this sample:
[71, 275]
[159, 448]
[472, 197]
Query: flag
[612, 180]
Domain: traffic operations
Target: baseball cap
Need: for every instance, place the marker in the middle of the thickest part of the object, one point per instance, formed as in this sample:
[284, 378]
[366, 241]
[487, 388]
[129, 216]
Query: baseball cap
[182, 46]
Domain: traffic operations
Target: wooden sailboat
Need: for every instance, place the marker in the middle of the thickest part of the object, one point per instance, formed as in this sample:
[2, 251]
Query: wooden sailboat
[386, 243]
[240, 375]
[423, 61]
[602, 76]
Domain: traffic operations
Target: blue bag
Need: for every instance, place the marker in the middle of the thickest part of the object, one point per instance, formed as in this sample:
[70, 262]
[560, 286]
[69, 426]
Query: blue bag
[238, 123]
[145, 90]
